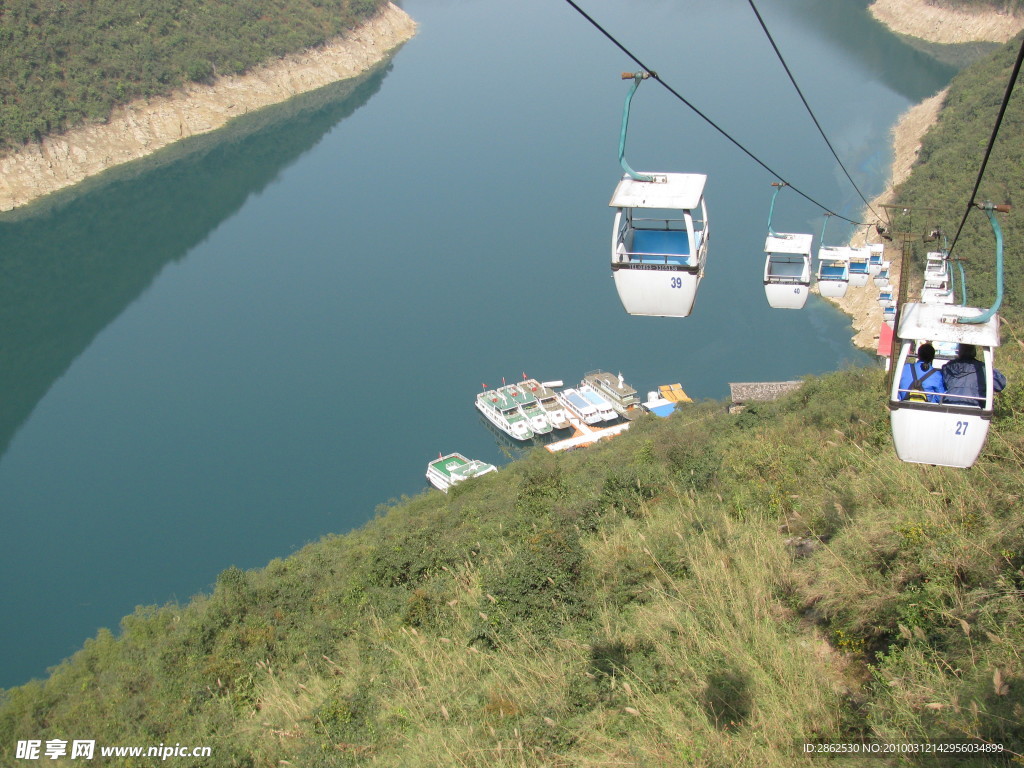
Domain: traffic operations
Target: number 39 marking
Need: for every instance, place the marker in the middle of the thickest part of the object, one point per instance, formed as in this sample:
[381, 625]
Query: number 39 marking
[677, 282]
[961, 428]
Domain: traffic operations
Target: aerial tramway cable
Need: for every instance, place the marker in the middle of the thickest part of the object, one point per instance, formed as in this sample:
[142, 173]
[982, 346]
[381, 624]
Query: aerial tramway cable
[991, 142]
[808, 107]
[653, 74]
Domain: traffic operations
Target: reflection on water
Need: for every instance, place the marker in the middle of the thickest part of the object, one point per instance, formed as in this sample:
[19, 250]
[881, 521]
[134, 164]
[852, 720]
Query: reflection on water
[72, 263]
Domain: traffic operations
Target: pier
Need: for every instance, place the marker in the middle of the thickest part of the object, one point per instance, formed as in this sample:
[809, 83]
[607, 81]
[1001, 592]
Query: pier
[585, 435]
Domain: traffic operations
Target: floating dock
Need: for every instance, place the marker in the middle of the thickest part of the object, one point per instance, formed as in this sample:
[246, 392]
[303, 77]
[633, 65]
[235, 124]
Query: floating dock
[585, 435]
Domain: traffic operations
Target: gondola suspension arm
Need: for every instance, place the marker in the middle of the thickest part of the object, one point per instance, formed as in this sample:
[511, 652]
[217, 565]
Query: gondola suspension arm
[991, 210]
[636, 77]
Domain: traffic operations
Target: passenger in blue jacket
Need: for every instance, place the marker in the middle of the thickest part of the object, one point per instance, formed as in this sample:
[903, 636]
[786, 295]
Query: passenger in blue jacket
[965, 377]
[923, 377]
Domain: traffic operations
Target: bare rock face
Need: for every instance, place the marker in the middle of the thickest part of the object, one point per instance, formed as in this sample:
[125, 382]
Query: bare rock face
[143, 127]
[938, 24]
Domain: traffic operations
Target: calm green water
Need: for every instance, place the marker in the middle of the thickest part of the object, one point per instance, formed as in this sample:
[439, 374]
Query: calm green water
[218, 356]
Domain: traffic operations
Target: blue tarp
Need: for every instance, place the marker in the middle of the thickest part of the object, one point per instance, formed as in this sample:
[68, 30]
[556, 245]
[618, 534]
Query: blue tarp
[663, 410]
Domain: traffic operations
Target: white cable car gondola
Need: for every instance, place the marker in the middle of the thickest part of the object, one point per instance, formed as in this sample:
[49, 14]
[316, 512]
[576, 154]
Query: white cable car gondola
[939, 433]
[787, 264]
[833, 270]
[833, 266]
[658, 256]
[875, 260]
[882, 278]
[937, 287]
[859, 260]
[952, 432]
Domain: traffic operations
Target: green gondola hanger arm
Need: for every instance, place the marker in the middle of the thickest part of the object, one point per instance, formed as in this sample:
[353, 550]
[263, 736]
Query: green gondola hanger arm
[991, 210]
[636, 77]
[771, 210]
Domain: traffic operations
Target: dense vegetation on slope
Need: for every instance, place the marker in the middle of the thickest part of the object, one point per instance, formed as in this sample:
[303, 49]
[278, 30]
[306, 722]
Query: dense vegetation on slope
[66, 63]
[705, 590]
[947, 167]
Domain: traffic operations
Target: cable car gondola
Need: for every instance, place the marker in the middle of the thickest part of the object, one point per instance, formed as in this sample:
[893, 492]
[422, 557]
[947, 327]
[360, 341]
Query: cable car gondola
[875, 260]
[939, 433]
[859, 262]
[660, 235]
[787, 264]
[950, 433]
[937, 288]
[833, 267]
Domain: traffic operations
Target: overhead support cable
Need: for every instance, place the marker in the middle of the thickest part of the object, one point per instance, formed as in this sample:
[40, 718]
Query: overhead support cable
[991, 143]
[701, 115]
[808, 108]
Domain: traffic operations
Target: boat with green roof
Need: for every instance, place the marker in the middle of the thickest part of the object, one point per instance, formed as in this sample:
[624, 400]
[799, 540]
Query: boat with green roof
[446, 471]
[502, 409]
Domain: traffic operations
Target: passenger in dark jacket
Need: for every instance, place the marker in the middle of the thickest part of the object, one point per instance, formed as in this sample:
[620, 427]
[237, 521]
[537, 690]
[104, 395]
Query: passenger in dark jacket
[965, 377]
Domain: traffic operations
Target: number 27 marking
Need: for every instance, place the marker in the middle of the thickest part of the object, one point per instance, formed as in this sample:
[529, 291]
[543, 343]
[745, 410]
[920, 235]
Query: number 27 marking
[961, 428]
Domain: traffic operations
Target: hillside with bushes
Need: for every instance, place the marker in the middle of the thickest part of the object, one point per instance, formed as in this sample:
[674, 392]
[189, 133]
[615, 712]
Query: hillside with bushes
[709, 590]
[63, 64]
[946, 169]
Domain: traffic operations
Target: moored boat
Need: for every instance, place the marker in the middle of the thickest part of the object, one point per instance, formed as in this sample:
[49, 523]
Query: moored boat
[528, 406]
[579, 406]
[548, 400]
[622, 397]
[604, 408]
[503, 412]
[446, 471]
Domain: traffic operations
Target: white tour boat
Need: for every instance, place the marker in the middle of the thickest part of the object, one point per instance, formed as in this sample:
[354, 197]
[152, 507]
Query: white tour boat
[445, 471]
[503, 412]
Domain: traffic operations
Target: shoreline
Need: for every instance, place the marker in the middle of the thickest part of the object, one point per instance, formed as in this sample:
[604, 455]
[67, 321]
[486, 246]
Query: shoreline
[862, 304]
[935, 24]
[141, 128]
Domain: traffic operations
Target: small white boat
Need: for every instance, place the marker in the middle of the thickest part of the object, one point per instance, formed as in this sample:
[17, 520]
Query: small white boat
[579, 406]
[604, 408]
[548, 400]
[446, 471]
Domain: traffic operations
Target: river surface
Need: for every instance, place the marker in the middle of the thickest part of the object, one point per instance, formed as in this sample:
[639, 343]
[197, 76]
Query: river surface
[216, 356]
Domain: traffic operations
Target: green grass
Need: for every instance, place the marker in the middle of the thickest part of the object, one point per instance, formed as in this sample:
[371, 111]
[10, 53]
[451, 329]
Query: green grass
[638, 603]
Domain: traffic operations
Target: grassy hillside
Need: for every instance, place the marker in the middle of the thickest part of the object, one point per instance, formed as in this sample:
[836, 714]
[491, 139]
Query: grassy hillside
[66, 63]
[947, 167]
[706, 590]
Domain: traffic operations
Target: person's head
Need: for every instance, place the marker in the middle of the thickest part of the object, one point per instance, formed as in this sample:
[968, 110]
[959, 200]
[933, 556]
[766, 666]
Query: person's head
[926, 353]
[965, 351]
